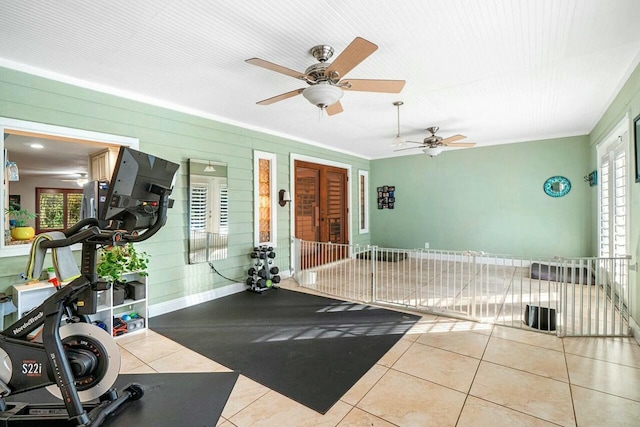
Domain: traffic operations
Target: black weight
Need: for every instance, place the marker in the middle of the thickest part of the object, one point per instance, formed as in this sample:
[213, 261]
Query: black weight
[251, 271]
[274, 270]
[254, 255]
[275, 279]
[271, 255]
[262, 273]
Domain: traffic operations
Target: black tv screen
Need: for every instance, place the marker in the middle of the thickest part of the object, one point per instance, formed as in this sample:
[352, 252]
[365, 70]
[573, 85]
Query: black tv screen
[129, 199]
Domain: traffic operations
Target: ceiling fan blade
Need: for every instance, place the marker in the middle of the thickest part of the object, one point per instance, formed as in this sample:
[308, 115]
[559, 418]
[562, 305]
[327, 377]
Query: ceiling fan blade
[386, 86]
[462, 144]
[277, 68]
[355, 53]
[453, 138]
[280, 97]
[409, 148]
[334, 109]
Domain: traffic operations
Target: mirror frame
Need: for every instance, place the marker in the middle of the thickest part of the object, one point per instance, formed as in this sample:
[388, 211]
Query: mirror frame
[549, 184]
[46, 131]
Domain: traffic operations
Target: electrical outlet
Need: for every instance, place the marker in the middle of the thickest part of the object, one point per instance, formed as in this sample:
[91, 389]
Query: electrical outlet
[426, 245]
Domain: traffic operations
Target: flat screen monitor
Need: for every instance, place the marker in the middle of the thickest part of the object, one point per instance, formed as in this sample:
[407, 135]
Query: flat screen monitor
[129, 200]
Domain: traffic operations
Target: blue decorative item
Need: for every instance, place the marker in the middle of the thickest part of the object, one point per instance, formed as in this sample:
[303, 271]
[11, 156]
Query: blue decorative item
[557, 186]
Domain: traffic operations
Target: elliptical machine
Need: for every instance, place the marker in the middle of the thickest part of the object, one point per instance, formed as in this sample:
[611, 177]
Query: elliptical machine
[78, 361]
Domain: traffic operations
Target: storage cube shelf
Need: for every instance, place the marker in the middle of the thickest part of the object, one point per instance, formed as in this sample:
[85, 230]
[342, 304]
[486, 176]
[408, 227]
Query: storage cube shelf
[27, 297]
[106, 310]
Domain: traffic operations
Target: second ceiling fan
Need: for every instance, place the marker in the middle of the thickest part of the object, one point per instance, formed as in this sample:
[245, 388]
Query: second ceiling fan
[433, 144]
[326, 79]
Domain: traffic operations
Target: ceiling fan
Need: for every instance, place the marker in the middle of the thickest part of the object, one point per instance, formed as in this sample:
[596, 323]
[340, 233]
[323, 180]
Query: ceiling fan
[326, 79]
[80, 180]
[433, 144]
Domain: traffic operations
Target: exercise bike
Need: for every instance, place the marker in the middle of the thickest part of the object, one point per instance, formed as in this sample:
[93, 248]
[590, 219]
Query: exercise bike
[76, 360]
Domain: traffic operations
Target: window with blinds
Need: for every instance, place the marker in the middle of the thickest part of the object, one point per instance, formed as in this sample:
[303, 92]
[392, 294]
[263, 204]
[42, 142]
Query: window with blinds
[613, 200]
[198, 207]
[224, 210]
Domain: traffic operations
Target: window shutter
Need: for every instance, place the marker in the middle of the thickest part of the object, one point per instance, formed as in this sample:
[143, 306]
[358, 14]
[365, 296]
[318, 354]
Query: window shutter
[198, 208]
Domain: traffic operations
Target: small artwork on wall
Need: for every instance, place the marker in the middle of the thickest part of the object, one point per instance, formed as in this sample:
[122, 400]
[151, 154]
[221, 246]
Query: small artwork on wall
[386, 197]
[14, 202]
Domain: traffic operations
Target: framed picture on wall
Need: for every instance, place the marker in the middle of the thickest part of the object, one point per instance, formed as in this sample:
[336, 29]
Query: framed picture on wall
[636, 144]
[14, 202]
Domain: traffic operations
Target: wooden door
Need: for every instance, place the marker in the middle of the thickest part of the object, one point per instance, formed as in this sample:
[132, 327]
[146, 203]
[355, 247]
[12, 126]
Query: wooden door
[307, 199]
[321, 211]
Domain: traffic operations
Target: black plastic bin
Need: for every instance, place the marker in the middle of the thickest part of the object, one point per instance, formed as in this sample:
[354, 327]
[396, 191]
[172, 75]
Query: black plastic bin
[541, 318]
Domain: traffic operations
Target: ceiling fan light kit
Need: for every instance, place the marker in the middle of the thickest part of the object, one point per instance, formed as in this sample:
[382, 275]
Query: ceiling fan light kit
[433, 151]
[322, 95]
[209, 168]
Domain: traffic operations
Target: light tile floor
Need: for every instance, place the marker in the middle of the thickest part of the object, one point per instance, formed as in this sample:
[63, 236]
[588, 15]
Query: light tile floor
[444, 372]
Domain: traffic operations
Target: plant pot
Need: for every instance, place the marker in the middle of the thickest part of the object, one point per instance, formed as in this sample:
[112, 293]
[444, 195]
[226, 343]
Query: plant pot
[23, 233]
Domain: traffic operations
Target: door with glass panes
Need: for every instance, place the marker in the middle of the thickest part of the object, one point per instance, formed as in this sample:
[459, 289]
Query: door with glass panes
[321, 210]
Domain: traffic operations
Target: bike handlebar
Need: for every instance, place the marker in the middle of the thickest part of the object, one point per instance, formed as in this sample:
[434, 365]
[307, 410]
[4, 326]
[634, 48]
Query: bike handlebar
[94, 234]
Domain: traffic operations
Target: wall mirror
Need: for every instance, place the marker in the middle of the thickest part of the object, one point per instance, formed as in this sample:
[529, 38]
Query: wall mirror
[44, 169]
[557, 186]
[208, 211]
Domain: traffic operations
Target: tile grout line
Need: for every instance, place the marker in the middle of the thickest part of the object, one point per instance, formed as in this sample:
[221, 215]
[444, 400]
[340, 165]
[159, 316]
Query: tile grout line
[573, 403]
[474, 376]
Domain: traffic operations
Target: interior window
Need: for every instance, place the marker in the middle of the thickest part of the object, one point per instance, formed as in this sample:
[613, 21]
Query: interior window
[364, 201]
[264, 176]
[49, 157]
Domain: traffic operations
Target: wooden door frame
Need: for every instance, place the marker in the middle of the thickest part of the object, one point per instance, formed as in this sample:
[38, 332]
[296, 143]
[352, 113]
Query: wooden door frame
[292, 211]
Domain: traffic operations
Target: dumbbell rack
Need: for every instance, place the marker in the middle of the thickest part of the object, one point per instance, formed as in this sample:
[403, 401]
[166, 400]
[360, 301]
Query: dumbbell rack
[263, 275]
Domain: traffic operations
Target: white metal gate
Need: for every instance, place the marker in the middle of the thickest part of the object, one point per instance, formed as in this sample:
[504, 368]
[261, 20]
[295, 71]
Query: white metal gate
[564, 296]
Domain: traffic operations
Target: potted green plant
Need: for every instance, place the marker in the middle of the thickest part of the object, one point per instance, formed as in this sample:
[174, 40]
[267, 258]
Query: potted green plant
[114, 261]
[21, 231]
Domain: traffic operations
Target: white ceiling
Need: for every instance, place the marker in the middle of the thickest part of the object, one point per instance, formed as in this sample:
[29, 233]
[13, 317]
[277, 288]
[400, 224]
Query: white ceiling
[496, 71]
[57, 160]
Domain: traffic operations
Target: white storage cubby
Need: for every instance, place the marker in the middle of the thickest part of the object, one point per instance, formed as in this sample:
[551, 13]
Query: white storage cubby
[28, 296]
[107, 310]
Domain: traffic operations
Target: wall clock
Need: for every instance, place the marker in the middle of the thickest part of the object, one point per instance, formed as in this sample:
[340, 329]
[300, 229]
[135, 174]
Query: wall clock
[557, 186]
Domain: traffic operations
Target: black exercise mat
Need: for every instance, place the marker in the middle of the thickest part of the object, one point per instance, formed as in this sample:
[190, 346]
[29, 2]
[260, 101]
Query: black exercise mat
[309, 348]
[170, 400]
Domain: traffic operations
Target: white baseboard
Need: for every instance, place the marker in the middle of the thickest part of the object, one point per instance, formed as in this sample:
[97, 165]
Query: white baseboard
[635, 329]
[195, 299]
[191, 300]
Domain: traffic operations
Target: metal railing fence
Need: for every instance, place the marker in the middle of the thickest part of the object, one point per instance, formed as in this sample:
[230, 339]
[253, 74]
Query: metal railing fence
[564, 296]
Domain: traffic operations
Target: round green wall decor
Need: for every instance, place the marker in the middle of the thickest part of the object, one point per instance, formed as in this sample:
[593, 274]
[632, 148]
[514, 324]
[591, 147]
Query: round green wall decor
[557, 186]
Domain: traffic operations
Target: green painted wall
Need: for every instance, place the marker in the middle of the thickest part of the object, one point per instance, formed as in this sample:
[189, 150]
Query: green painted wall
[487, 199]
[627, 102]
[177, 137]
